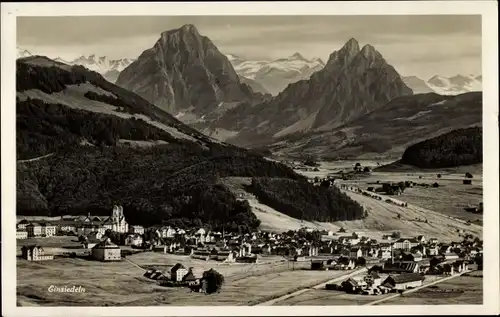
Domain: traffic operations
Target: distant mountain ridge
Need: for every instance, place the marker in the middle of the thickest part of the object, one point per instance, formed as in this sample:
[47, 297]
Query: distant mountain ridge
[185, 74]
[276, 75]
[454, 85]
[109, 68]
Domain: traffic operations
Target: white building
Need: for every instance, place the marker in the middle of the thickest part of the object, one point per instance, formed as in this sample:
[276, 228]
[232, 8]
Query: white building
[136, 229]
[48, 229]
[117, 221]
[35, 253]
[21, 234]
[34, 229]
[106, 251]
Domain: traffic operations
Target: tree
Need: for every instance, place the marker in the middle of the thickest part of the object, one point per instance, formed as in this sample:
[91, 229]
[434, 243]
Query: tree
[468, 175]
[399, 216]
[396, 235]
[213, 281]
[341, 229]
[366, 169]
[360, 261]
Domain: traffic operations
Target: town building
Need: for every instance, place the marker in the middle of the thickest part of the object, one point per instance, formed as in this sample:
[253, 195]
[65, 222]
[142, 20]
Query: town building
[35, 253]
[21, 234]
[48, 229]
[136, 229]
[405, 244]
[116, 222]
[34, 229]
[106, 251]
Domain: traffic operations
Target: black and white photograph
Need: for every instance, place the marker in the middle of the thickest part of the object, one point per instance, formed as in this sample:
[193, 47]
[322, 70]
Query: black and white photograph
[188, 156]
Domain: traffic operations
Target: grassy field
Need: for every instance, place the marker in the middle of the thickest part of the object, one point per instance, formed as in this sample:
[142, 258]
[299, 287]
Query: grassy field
[122, 283]
[461, 290]
[327, 297]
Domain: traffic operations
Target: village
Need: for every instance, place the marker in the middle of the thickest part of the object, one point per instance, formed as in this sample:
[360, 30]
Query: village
[370, 267]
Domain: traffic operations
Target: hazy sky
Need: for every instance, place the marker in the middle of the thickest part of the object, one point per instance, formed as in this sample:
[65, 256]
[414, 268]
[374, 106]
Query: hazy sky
[414, 45]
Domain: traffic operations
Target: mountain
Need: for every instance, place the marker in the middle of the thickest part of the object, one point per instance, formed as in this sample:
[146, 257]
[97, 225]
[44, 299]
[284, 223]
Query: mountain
[22, 53]
[419, 86]
[85, 144]
[458, 84]
[185, 74]
[109, 68]
[353, 82]
[276, 75]
[387, 131]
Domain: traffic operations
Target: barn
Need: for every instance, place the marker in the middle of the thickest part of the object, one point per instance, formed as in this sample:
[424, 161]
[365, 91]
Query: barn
[404, 281]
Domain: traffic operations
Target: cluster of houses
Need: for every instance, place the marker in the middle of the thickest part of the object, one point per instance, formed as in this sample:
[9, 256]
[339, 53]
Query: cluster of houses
[179, 276]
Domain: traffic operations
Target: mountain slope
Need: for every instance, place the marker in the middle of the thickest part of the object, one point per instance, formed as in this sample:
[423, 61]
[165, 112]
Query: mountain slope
[352, 83]
[387, 131]
[184, 72]
[276, 75]
[82, 120]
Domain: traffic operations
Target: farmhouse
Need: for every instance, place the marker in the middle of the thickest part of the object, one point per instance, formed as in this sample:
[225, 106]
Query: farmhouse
[177, 272]
[106, 251]
[21, 234]
[404, 281]
[373, 279]
[35, 253]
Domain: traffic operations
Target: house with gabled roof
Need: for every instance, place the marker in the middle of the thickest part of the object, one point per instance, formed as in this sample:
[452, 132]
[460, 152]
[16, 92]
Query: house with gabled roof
[404, 281]
[35, 253]
[106, 251]
[177, 272]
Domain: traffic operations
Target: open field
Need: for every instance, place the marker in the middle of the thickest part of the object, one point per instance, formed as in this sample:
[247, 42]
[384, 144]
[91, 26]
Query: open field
[322, 297]
[382, 217]
[122, 284]
[461, 290]
[449, 198]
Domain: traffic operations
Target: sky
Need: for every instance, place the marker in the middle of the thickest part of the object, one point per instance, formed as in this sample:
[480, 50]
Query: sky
[415, 45]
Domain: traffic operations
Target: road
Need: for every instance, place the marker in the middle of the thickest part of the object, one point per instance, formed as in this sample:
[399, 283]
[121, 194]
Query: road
[305, 289]
[35, 159]
[415, 289]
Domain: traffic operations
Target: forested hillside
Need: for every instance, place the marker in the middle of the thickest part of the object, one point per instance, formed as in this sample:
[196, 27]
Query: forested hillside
[458, 147]
[303, 200]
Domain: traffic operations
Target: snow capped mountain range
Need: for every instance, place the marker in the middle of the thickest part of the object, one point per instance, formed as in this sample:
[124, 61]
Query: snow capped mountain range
[276, 75]
[109, 68]
[455, 85]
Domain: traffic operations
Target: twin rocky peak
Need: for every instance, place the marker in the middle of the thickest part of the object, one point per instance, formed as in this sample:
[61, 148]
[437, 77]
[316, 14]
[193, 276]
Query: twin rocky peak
[184, 72]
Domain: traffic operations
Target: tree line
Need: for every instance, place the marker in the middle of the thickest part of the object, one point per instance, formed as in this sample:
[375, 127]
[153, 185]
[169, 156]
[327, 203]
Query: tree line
[455, 148]
[303, 200]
